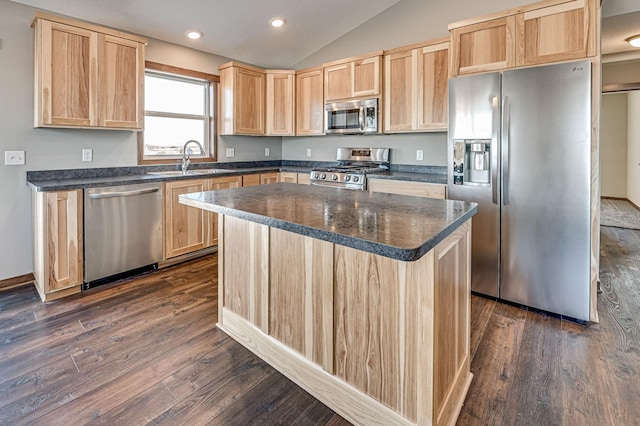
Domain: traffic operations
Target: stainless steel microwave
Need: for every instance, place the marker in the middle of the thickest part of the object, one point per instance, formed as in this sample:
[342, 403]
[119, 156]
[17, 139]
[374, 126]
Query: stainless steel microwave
[353, 117]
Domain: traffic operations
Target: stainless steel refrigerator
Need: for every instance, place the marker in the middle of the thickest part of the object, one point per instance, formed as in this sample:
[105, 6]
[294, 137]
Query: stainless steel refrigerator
[520, 146]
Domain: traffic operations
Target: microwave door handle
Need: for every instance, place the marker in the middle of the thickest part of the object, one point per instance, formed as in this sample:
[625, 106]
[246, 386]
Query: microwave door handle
[361, 118]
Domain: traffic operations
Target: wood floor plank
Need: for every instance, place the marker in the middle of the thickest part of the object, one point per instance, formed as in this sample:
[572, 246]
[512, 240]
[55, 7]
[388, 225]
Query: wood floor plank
[481, 310]
[494, 367]
[146, 351]
[537, 385]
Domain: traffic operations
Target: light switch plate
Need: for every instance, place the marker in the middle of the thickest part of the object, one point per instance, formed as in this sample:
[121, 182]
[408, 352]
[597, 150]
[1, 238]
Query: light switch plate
[419, 155]
[308, 152]
[14, 158]
[231, 152]
[266, 152]
[87, 154]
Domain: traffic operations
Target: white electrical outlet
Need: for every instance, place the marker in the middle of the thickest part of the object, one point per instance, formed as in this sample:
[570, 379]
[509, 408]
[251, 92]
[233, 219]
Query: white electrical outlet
[266, 152]
[14, 158]
[231, 152]
[419, 155]
[87, 154]
[308, 152]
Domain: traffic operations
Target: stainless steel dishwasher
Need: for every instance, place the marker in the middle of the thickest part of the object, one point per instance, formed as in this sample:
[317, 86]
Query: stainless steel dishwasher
[122, 231]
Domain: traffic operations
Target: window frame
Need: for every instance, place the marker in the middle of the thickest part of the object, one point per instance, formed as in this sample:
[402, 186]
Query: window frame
[214, 81]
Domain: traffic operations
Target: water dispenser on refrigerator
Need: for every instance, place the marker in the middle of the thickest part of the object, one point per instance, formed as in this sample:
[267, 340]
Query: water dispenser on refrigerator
[471, 162]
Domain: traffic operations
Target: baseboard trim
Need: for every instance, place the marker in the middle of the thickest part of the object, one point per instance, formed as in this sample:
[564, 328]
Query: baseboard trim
[18, 281]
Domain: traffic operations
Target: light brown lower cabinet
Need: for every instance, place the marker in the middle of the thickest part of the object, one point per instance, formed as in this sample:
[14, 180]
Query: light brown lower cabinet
[187, 229]
[303, 179]
[58, 243]
[301, 305]
[401, 187]
[267, 178]
[215, 184]
[288, 177]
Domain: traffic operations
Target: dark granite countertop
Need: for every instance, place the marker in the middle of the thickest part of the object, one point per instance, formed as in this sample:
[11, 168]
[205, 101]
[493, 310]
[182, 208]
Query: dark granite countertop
[62, 180]
[396, 226]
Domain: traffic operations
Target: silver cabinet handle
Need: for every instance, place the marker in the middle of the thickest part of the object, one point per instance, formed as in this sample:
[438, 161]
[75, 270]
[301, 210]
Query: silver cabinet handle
[123, 193]
[495, 110]
[505, 150]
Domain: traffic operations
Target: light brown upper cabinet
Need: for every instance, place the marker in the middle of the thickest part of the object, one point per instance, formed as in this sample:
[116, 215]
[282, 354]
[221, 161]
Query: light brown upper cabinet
[352, 77]
[87, 76]
[309, 102]
[557, 33]
[242, 99]
[415, 87]
[534, 34]
[280, 102]
[484, 46]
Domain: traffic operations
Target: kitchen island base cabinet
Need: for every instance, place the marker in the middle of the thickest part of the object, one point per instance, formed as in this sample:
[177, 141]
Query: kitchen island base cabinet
[301, 304]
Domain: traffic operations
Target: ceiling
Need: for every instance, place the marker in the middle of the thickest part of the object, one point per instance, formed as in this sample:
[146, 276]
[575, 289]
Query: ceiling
[237, 29]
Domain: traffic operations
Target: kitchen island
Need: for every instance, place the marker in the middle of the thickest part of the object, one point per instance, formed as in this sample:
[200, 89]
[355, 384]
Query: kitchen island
[362, 299]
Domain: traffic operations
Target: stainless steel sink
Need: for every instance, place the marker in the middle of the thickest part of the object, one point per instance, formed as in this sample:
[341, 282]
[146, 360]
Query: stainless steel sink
[194, 172]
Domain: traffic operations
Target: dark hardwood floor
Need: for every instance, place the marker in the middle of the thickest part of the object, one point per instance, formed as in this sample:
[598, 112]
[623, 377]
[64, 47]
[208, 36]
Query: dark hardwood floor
[146, 351]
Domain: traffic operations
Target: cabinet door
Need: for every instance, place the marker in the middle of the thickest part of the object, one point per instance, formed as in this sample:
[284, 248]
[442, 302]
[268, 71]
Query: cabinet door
[366, 77]
[120, 76]
[485, 46]
[64, 237]
[250, 180]
[309, 103]
[213, 185]
[267, 178]
[432, 90]
[337, 81]
[400, 91]
[66, 78]
[556, 33]
[184, 226]
[288, 177]
[280, 102]
[249, 92]
[304, 179]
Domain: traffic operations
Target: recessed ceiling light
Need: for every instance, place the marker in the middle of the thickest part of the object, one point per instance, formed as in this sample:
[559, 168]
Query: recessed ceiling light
[194, 34]
[277, 22]
[634, 41]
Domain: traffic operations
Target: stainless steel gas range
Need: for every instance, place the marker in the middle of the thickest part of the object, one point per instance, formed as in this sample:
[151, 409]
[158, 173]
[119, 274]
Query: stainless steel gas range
[354, 164]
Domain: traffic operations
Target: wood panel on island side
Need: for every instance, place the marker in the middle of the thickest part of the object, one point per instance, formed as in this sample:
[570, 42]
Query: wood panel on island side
[146, 351]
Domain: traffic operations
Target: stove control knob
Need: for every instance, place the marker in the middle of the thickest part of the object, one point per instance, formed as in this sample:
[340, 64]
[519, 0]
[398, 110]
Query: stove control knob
[356, 178]
[323, 176]
[347, 178]
[314, 176]
[334, 177]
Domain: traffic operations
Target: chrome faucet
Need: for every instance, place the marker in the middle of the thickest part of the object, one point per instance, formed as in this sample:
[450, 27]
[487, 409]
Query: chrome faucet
[186, 152]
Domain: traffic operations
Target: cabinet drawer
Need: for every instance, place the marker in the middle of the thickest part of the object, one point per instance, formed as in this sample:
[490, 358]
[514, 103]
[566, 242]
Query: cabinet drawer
[416, 189]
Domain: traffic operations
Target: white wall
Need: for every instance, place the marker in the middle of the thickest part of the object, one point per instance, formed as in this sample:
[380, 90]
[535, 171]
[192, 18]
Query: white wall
[613, 146]
[633, 147]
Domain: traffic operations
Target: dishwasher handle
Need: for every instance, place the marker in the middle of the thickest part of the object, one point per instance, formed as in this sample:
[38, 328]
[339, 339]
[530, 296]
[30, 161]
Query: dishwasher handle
[123, 193]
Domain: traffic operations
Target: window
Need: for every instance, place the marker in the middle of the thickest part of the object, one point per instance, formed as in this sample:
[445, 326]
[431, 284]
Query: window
[178, 107]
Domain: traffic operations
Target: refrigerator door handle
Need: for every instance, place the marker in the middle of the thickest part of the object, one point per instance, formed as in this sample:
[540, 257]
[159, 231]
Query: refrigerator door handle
[505, 150]
[495, 110]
